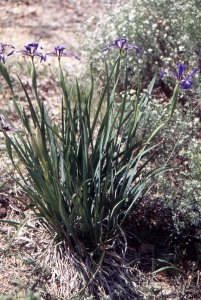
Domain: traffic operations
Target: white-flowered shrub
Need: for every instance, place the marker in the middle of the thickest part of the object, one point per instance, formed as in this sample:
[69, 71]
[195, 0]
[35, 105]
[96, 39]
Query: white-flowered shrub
[168, 31]
[181, 188]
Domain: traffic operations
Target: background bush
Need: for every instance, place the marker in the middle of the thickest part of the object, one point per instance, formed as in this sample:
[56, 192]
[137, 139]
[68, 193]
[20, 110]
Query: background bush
[180, 190]
[169, 32]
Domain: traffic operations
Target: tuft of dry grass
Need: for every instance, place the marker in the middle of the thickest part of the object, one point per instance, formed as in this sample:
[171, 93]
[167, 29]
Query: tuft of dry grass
[30, 257]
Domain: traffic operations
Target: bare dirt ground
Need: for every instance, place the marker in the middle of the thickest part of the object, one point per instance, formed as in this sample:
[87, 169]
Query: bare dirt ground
[50, 22]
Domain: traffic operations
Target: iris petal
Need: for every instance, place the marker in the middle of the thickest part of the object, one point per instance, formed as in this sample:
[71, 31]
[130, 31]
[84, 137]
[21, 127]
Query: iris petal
[186, 84]
[130, 46]
[163, 74]
[193, 73]
[2, 58]
[181, 69]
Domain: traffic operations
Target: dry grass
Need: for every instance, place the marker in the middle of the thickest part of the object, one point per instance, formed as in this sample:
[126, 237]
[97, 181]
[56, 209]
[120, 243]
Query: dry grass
[31, 258]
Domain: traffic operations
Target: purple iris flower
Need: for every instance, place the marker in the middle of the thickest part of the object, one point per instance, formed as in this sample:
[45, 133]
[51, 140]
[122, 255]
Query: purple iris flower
[31, 50]
[59, 52]
[2, 51]
[4, 127]
[122, 45]
[186, 82]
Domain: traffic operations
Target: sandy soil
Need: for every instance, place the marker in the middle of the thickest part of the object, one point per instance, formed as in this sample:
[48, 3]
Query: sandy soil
[49, 22]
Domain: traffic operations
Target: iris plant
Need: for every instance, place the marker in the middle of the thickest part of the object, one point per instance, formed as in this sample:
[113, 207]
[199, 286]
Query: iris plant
[122, 45]
[59, 52]
[31, 50]
[186, 82]
[2, 51]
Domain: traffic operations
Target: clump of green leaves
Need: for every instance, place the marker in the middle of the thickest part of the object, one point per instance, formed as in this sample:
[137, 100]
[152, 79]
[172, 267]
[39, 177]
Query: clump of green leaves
[86, 173]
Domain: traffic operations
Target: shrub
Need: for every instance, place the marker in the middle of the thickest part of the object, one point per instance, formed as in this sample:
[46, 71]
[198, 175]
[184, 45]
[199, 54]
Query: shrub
[185, 199]
[180, 148]
[168, 31]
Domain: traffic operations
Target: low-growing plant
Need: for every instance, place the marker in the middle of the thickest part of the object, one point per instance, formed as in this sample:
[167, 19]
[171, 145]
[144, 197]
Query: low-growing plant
[88, 172]
[179, 147]
[84, 175]
[181, 191]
